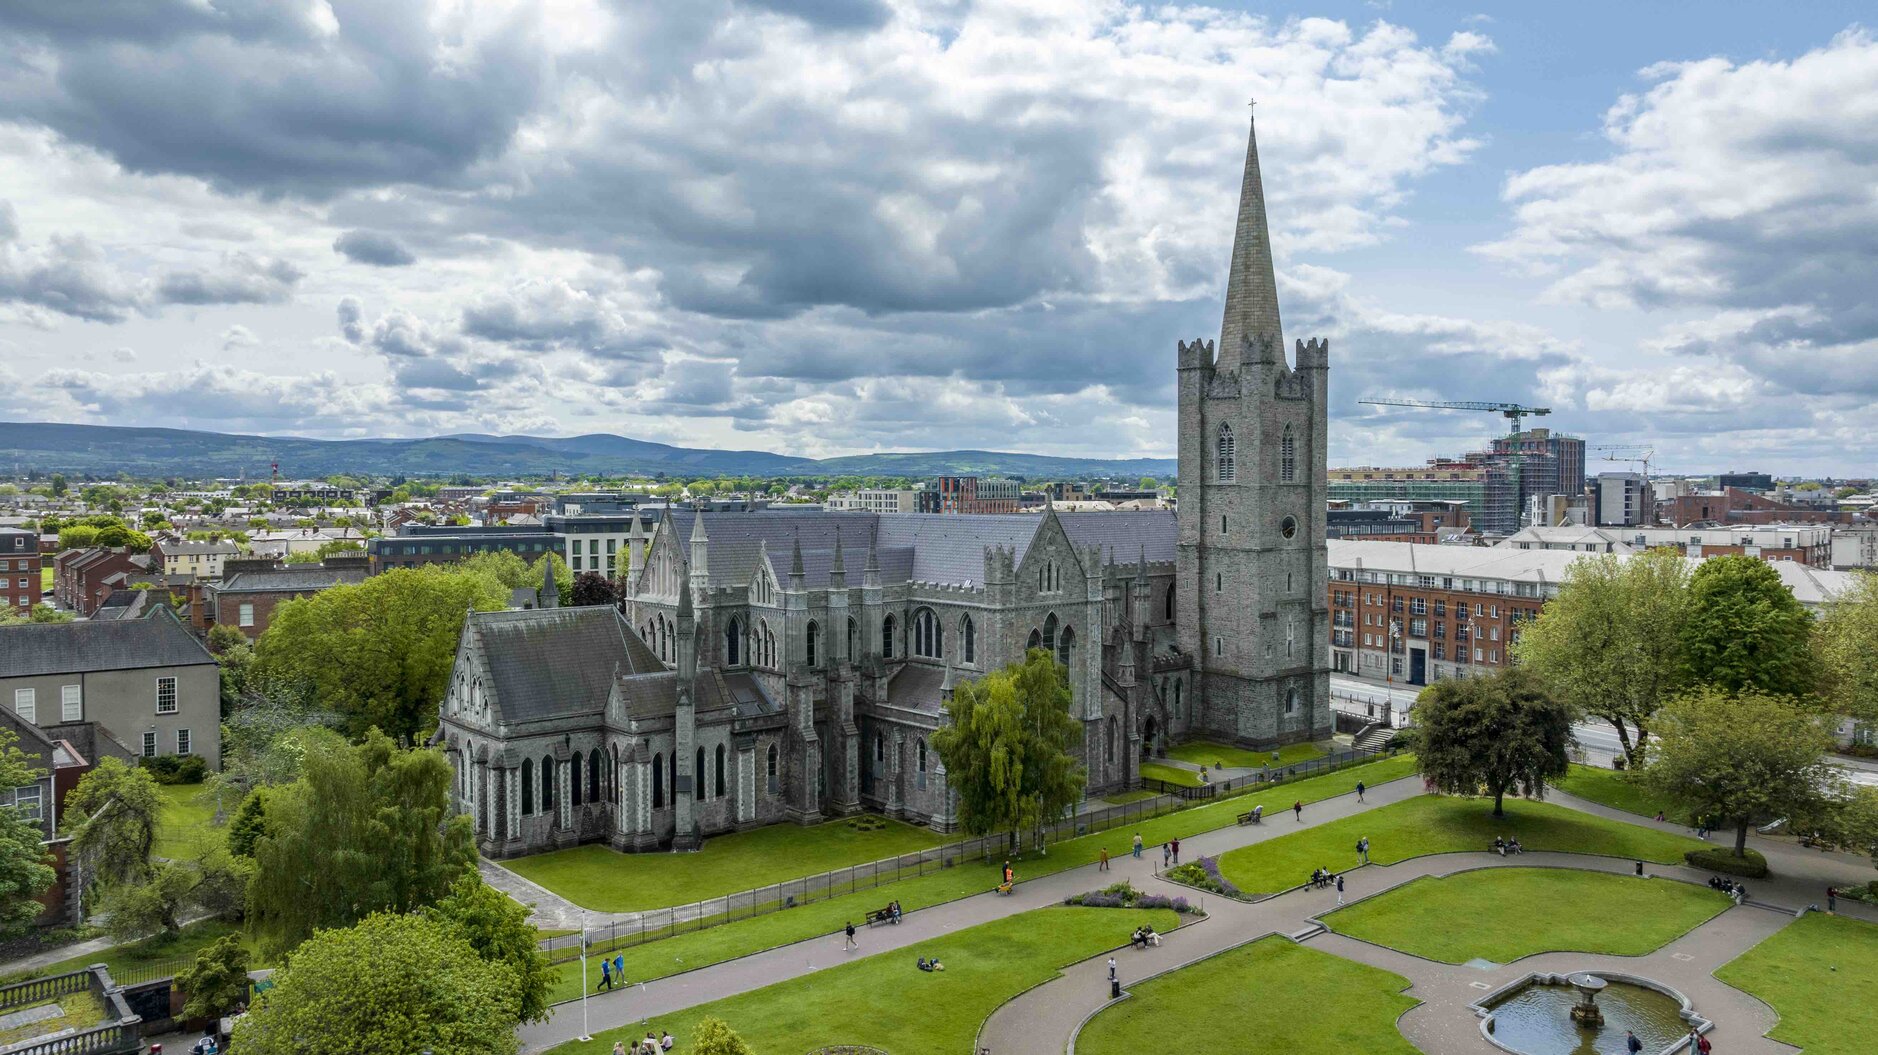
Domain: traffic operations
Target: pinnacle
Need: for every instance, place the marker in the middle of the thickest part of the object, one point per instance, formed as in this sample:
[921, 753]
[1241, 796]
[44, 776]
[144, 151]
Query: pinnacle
[1251, 286]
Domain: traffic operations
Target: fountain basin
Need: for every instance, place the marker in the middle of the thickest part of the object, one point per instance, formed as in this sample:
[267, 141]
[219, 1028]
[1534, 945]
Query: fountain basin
[1586, 1013]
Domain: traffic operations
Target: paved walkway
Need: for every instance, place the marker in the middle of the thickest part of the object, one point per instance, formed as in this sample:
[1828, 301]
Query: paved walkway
[644, 1003]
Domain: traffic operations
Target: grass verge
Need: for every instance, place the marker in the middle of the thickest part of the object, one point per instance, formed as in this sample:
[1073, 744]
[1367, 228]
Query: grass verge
[1292, 999]
[1620, 790]
[886, 1002]
[186, 826]
[142, 956]
[1209, 753]
[1515, 912]
[1439, 824]
[1820, 973]
[1185, 778]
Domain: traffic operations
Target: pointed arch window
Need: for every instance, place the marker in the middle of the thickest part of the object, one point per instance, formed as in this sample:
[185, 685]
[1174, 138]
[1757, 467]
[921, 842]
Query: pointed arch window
[968, 639]
[697, 778]
[919, 775]
[1108, 747]
[547, 783]
[1049, 633]
[854, 639]
[1226, 455]
[815, 633]
[528, 786]
[1036, 640]
[886, 638]
[1065, 645]
[775, 780]
[733, 643]
[928, 638]
[1287, 457]
[658, 782]
[1168, 606]
[718, 784]
[593, 776]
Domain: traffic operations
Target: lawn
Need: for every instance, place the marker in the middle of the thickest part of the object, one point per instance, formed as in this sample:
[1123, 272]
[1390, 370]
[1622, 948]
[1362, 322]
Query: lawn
[186, 825]
[1292, 999]
[885, 1001]
[1185, 778]
[1207, 753]
[1820, 973]
[77, 1011]
[1619, 789]
[1122, 798]
[605, 880]
[1434, 824]
[692, 949]
[1515, 912]
[150, 953]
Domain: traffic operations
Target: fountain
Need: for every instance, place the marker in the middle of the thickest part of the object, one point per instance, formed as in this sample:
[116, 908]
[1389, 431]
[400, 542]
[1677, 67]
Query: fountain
[1585, 1013]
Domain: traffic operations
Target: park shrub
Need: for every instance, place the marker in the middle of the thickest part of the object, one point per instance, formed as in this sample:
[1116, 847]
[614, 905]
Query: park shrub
[1124, 895]
[1205, 875]
[1722, 859]
[176, 769]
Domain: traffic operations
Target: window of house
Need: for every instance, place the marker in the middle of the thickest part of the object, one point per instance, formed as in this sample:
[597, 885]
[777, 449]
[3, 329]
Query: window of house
[25, 705]
[149, 743]
[71, 703]
[244, 616]
[182, 741]
[166, 695]
[1225, 452]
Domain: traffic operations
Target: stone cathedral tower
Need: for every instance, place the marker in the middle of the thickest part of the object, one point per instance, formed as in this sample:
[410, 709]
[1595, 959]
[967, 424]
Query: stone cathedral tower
[1251, 587]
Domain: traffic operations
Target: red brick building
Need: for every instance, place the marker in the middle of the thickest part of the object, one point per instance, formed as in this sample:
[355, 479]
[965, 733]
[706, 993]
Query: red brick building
[20, 564]
[249, 591]
[79, 575]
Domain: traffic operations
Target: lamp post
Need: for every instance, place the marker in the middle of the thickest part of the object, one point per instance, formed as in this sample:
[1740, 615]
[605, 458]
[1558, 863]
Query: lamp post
[585, 1034]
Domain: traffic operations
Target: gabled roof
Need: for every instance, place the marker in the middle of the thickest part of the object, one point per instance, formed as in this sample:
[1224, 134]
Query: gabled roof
[295, 578]
[83, 647]
[554, 662]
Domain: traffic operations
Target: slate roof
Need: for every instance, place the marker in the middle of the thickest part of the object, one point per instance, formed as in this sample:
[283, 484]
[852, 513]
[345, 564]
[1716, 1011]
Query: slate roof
[303, 578]
[1122, 534]
[656, 695]
[83, 647]
[916, 687]
[555, 662]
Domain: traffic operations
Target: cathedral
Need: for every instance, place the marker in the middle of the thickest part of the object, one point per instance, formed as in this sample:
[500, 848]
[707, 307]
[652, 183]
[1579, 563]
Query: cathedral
[771, 666]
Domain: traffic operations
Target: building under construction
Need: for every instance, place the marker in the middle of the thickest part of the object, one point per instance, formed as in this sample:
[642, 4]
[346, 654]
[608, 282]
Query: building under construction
[1498, 484]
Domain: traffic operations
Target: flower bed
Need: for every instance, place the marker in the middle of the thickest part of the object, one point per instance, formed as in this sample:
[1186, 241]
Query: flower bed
[1204, 874]
[1124, 895]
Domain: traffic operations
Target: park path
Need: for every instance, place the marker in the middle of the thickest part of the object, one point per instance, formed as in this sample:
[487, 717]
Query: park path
[644, 1003]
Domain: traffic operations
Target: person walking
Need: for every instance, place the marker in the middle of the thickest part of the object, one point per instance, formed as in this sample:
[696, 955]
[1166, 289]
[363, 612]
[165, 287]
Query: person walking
[1175, 843]
[1631, 1043]
[1112, 975]
[1167, 855]
[1339, 889]
[849, 931]
[1297, 810]
[1102, 859]
[619, 970]
[1359, 791]
[606, 975]
[1362, 849]
[1832, 900]
[1137, 846]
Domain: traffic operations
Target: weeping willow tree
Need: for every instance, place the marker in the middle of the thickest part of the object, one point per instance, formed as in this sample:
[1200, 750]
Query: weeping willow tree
[1009, 750]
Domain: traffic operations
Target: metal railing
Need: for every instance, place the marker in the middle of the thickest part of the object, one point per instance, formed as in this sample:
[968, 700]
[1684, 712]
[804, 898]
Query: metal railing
[657, 924]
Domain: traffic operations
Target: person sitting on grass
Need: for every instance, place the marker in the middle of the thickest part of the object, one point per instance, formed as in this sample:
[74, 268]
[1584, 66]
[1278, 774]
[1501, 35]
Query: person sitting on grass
[923, 965]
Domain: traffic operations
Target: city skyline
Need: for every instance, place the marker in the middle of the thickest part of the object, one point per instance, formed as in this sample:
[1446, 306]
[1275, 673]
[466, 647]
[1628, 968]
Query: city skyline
[955, 227]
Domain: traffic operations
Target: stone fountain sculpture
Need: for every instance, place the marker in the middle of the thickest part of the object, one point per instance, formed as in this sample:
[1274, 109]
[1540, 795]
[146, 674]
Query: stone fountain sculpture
[1585, 1012]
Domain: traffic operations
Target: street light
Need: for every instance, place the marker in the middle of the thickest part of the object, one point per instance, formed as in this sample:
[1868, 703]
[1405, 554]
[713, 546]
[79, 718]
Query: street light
[585, 1034]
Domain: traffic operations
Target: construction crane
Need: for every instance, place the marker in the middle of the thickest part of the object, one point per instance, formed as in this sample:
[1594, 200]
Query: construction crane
[1629, 454]
[1513, 412]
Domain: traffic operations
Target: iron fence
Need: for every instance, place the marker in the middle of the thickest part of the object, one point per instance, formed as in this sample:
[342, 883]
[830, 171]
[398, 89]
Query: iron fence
[657, 924]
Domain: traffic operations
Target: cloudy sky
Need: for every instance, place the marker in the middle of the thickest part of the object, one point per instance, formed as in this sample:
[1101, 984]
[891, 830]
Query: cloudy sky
[833, 226]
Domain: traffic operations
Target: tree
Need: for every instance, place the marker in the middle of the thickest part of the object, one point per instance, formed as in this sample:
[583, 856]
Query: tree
[1847, 642]
[1007, 749]
[41, 613]
[249, 824]
[157, 903]
[391, 983]
[1494, 734]
[366, 828]
[591, 587]
[223, 637]
[112, 815]
[1610, 644]
[25, 869]
[1745, 631]
[714, 1037]
[497, 927]
[1744, 758]
[78, 536]
[379, 652]
[58, 485]
[217, 982]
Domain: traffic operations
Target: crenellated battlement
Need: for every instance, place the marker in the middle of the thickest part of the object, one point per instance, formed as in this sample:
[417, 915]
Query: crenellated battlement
[1195, 355]
[1314, 354]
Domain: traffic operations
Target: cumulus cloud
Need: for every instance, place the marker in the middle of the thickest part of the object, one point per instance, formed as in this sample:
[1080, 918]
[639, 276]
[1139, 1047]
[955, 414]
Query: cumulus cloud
[241, 278]
[351, 320]
[373, 248]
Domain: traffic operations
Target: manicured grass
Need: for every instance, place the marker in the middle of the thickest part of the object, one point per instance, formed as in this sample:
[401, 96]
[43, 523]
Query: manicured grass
[604, 880]
[1122, 798]
[153, 952]
[45, 580]
[1820, 973]
[77, 1011]
[1618, 789]
[1185, 778]
[1515, 912]
[186, 826]
[1439, 824]
[1290, 998]
[692, 949]
[1207, 753]
[886, 1002]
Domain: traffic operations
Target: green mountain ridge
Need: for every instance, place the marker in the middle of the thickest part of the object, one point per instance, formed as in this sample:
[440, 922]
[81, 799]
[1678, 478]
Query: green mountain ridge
[111, 450]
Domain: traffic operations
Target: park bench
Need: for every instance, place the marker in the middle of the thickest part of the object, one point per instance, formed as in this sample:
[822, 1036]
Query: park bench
[1248, 817]
[880, 915]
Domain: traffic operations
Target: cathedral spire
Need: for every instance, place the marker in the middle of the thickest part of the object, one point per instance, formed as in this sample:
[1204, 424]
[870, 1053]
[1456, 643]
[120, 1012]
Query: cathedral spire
[1251, 288]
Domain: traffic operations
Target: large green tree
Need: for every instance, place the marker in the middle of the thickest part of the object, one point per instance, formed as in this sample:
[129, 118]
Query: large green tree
[218, 980]
[112, 816]
[1495, 734]
[25, 867]
[497, 927]
[365, 829]
[1610, 644]
[1009, 747]
[1847, 640]
[379, 652]
[390, 983]
[1744, 758]
[1745, 631]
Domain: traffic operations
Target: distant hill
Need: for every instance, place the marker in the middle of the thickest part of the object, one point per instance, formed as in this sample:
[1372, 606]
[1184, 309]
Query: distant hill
[107, 450]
